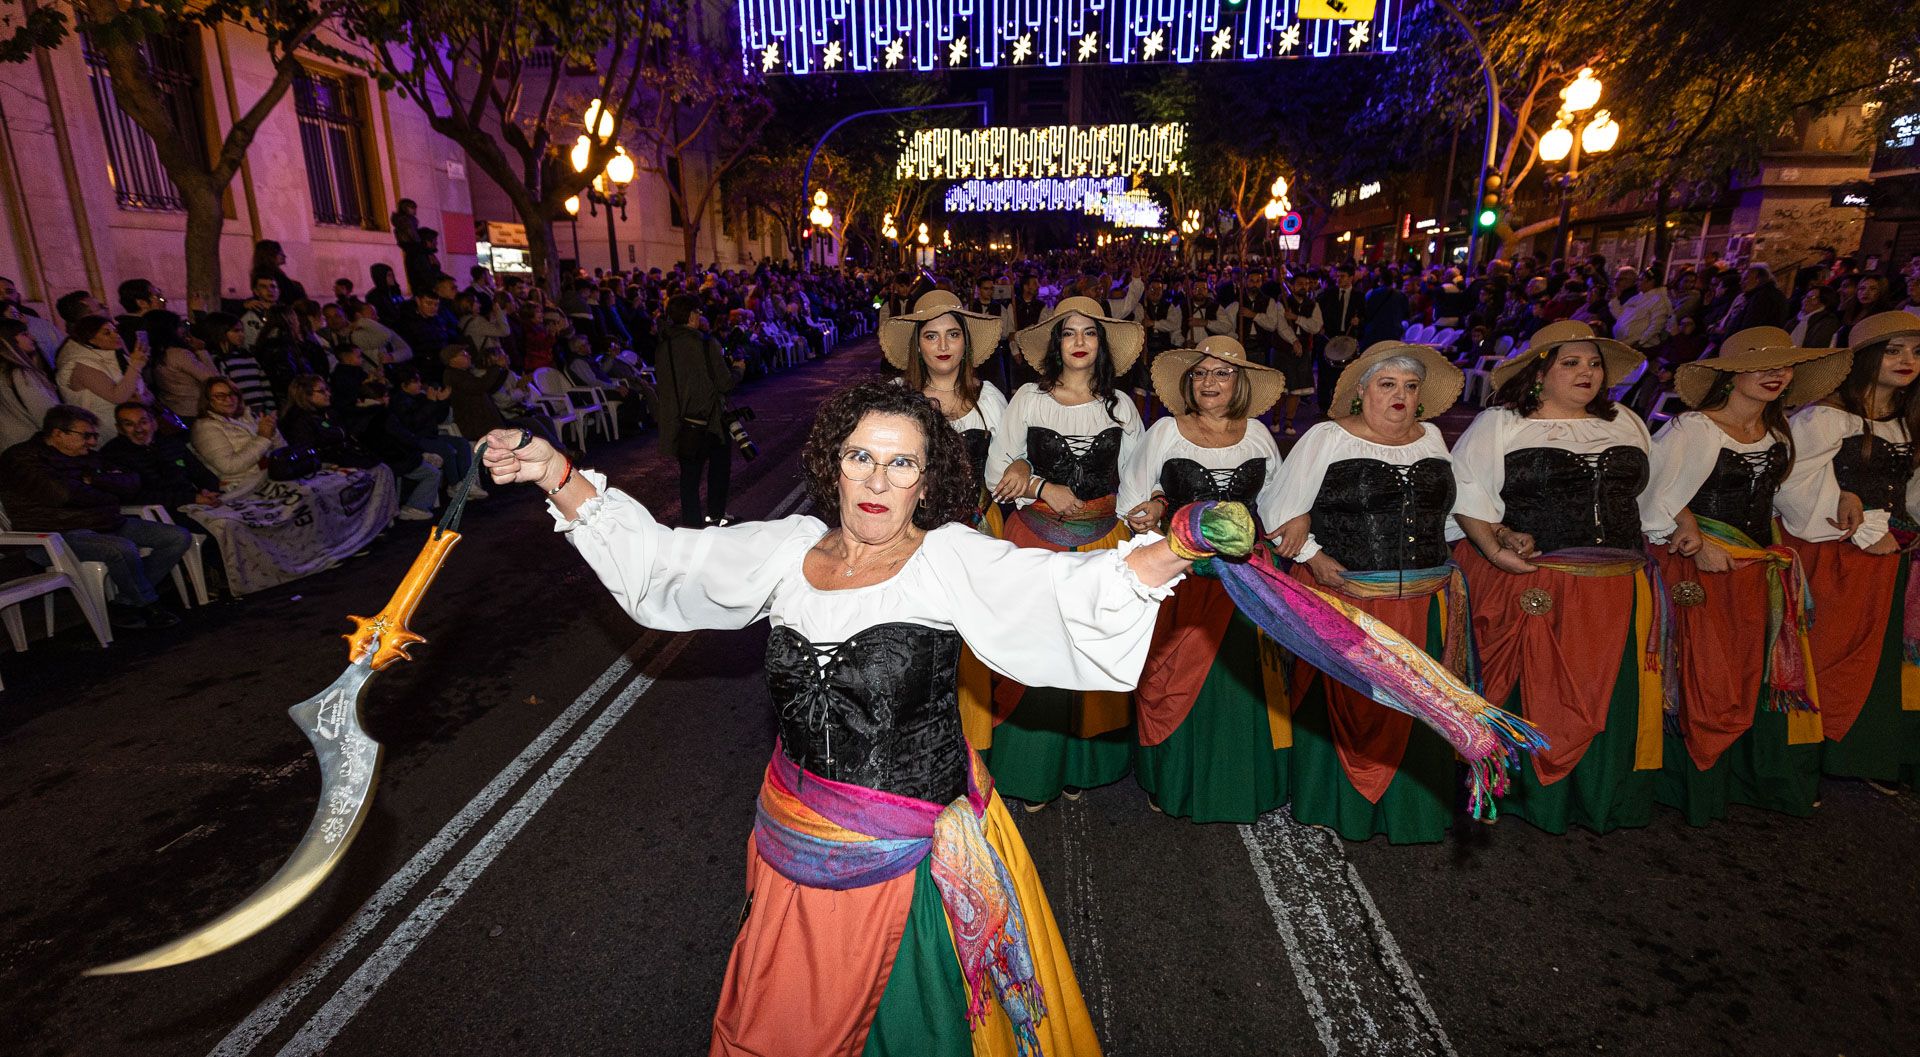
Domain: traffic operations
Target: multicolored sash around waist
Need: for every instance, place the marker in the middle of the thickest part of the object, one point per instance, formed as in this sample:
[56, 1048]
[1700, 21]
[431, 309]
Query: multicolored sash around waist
[1789, 614]
[1458, 654]
[1095, 519]
[1662, 651]
[826, 834]
[1352, 646]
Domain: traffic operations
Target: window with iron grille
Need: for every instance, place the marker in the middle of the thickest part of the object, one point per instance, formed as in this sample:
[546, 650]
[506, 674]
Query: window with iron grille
[133, 165]
[333, 137]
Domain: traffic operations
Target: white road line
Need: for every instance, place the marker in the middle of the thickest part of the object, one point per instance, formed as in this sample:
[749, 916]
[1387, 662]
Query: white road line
[1362, 995]
[358, 989]
[251, 1032]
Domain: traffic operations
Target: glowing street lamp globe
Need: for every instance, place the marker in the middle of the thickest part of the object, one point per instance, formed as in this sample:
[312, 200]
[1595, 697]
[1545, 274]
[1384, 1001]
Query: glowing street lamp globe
[1557, 143]
[581, 154]
[1583, 93]
[598, 122]
[573, 206]
[820, 199]
[1600, 134]
[620, 167]
[1273, 210]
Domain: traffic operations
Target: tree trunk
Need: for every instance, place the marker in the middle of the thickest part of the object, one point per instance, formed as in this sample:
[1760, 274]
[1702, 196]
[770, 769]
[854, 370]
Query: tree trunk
[1661, 241]
[544, 247]
[690, 238]
[206, 219]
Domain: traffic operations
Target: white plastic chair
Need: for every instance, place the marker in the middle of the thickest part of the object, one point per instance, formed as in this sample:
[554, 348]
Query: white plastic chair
[1480, 380]
[582, 373]
[550, 392]
[1626, 384]
[1665, 406]
[193, 562]
[66, 572]
[1504, 346]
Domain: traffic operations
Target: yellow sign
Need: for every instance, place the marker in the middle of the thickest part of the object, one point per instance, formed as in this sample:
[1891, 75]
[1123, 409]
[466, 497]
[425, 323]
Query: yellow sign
[1345, 10]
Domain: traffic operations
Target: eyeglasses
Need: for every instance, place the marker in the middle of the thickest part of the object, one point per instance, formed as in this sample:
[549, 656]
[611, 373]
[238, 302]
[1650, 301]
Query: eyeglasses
[1218, 374]
[858, 466]
[89, 435]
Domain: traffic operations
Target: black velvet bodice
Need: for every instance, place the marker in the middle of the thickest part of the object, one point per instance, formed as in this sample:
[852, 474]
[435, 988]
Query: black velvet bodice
[1186, 481]
[1372, 515]
[1878, 478]
[1741, 488]
[1088, 465]
[1566, 500]
[882, 712]
[977, 441]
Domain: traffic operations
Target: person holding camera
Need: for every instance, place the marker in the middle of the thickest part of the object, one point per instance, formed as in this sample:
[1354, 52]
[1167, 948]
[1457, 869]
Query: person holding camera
[694, 378]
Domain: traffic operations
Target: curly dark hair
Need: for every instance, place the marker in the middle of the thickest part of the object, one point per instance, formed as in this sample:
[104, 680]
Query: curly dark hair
[1518, 392]
[950, 491]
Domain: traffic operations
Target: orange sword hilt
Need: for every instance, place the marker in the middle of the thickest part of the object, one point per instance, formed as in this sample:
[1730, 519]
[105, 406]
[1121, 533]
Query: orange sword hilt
[389, 626]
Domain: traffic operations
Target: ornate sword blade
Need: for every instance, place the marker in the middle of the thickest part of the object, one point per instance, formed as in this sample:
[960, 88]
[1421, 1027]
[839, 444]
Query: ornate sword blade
[349, 763]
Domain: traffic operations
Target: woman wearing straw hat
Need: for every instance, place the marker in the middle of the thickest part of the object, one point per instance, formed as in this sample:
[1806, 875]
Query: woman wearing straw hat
[1057, 457]
[939, 348]
[1848, 507]
[1747, 730]
[1365, 498]
[1565, 606]
[1205, 738]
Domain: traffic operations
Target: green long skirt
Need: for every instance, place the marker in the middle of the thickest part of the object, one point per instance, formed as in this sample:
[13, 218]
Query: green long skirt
[1884, 742]
[1220, 764]
[1035, 753]
[1417, 807]
[923, 1008]
[1758, 770]
[1603, 792]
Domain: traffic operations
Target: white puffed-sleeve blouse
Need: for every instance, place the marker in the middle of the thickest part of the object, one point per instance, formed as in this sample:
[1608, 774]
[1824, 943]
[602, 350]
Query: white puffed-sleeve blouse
[1480, 455]
[1684, 454]
[1031, 406]
[1811, 493]
[1140, 473]
[1327, 443]
[1081, 622]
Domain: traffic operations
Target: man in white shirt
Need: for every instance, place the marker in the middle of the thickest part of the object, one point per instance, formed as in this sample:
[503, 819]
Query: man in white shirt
[1641, 321]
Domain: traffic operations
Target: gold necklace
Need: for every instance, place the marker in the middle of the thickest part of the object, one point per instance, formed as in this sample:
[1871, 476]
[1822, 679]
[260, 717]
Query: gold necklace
[848, 569]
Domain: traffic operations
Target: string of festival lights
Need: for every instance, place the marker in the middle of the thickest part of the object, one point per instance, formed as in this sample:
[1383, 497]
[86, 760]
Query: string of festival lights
[1053, 150]
[1046, 194]
[859, 36]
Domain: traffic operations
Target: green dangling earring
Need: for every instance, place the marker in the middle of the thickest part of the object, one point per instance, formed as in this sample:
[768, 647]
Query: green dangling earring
[1419, 411]
[1354, 408]
[1534, 393]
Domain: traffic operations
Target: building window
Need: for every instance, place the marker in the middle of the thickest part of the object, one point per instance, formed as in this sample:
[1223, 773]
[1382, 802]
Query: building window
[133, 165]
[333, 136]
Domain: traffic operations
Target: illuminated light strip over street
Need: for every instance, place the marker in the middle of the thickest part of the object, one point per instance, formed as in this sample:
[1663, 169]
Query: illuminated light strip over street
[861, 36]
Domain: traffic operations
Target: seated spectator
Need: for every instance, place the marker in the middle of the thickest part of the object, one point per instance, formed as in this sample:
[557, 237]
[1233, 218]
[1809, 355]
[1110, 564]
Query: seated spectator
[470, 393]
[224, 339]
[376, 339]
[170, 474]
[421, 412]
[483, 324]
[179, 371]
[289, 348]
[405, 451]
[426, 331]
[343, 295]
[27, 390]
[349, 375]
[45, 335]
[311, 423]
[56, 482]
[1819, 318]
[232, 441]
[90, 374]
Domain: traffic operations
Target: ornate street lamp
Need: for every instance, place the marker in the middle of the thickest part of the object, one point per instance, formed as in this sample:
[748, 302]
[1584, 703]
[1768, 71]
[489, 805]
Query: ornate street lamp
[609, 186]
[1558, 143]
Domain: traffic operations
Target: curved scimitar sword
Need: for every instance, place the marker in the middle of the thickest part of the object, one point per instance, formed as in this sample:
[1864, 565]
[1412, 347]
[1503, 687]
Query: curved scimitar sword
[349, 766]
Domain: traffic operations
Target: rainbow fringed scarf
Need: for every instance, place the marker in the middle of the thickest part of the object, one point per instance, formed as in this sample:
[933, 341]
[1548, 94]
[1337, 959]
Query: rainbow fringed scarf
[1093, 522]
[1350, 645]
[1789, 614]
[1448, 581]
[826, 834]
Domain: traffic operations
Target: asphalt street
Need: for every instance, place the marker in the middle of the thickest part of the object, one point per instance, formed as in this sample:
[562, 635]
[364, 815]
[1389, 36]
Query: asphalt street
[554, 861]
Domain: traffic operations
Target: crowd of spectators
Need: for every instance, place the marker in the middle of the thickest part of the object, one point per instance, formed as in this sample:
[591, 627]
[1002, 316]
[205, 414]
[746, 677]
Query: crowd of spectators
[290, 431]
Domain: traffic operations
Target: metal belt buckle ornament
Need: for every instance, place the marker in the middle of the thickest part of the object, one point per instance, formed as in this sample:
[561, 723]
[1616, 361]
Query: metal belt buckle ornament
[1689, 593]
[1536, 601]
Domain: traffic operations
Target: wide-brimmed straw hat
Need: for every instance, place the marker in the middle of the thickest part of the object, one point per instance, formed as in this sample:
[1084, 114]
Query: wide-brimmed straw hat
[1171, 366]
[1619, 357]
[1438, 391]
[899, 333]
[1880, 326]
[1124, 339]
[1816, 372]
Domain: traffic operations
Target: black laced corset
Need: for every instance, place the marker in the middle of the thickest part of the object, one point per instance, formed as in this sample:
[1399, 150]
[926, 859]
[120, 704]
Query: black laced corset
[879, 710]
[1186, 481]
[1741, 488]
[977, 441]
[1566, 500]
[1372, 515]
[1879, 478]
[1088, 465]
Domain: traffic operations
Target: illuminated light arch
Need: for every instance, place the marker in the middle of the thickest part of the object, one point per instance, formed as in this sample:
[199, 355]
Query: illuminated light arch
[1052, 150]
[1044, 195]
[861, 36]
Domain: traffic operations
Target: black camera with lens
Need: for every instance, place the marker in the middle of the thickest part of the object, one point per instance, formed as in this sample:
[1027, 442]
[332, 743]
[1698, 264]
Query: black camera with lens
[737, 417]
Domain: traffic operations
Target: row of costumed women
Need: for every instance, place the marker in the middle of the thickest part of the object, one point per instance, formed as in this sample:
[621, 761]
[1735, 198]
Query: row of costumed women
[1719, 613]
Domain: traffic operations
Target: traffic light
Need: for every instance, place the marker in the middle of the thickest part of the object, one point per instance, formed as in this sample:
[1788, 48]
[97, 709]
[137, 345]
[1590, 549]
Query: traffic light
[1492, 206]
